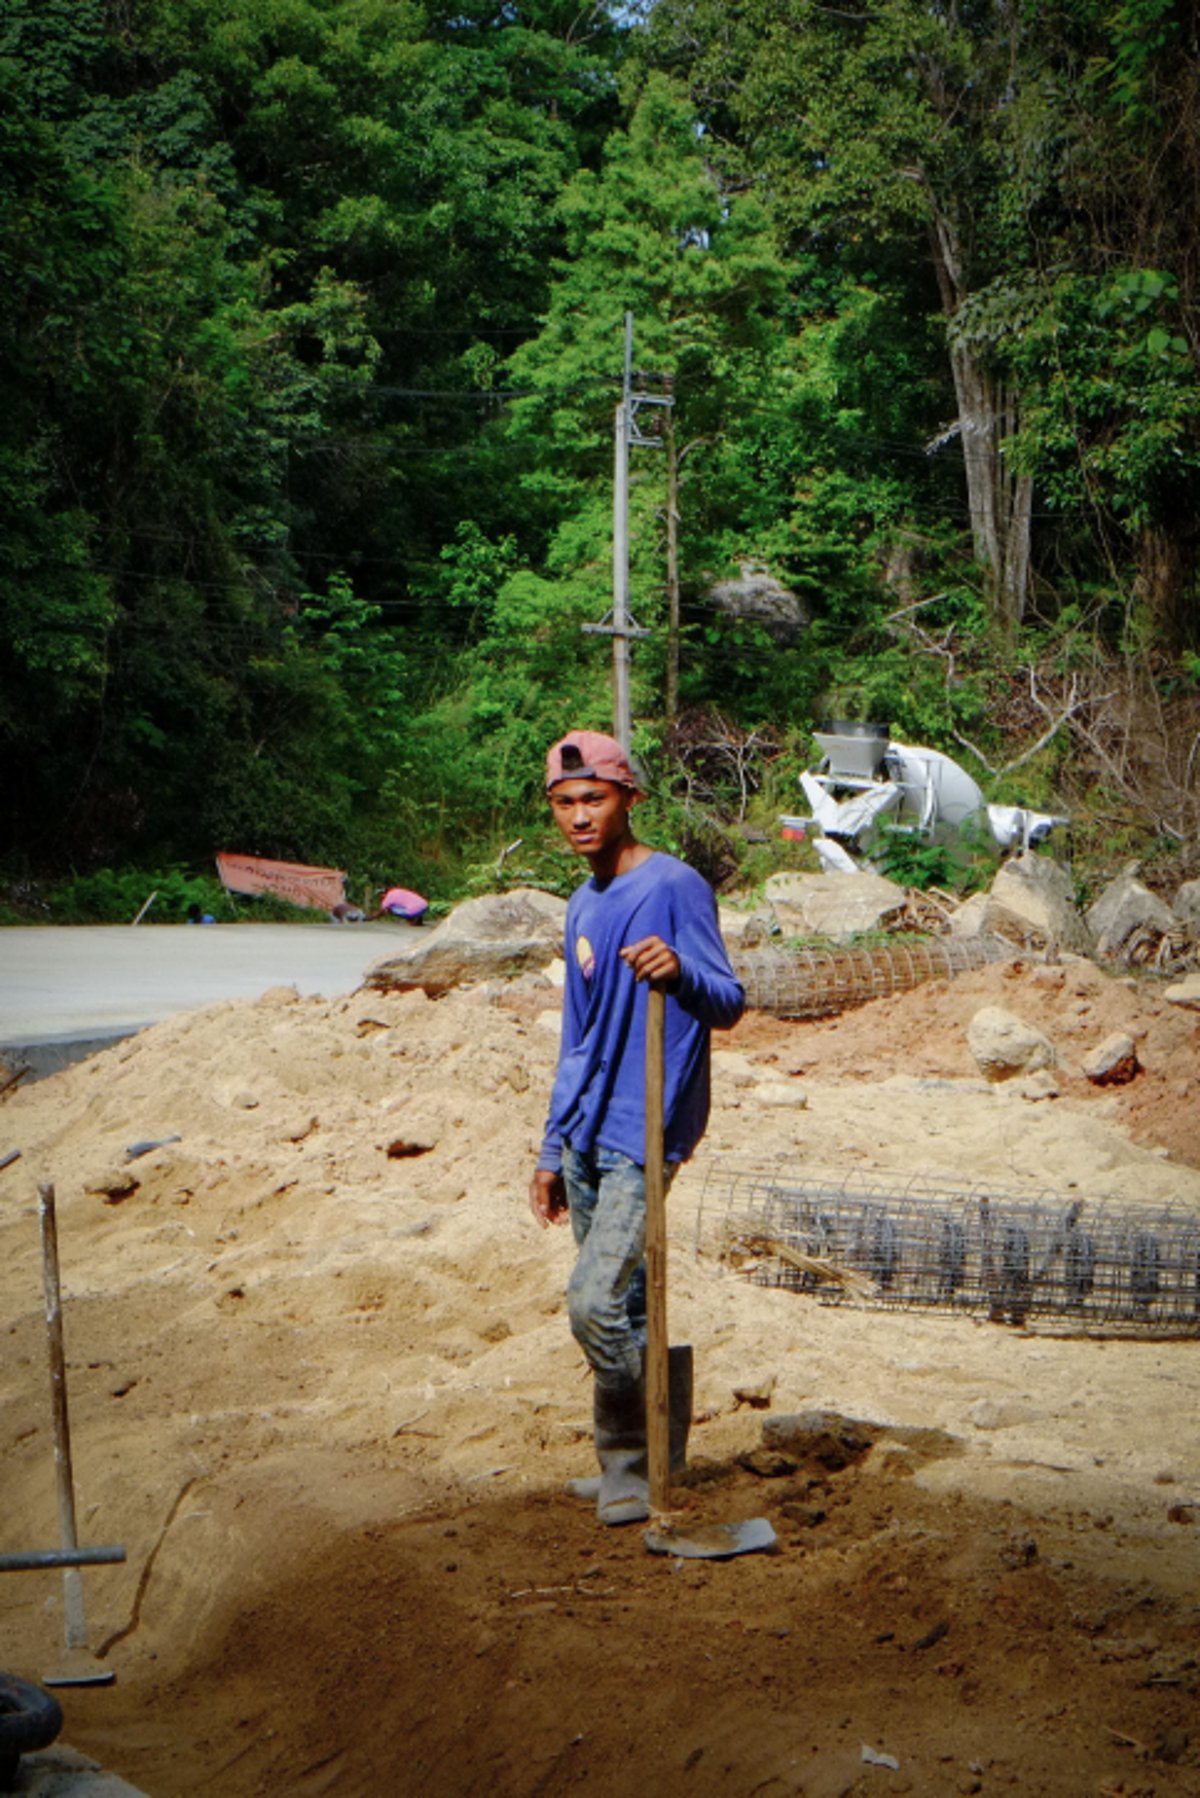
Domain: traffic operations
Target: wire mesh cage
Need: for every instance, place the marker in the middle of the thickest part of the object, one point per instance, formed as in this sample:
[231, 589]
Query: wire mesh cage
[1087, 1265]
[816, 983]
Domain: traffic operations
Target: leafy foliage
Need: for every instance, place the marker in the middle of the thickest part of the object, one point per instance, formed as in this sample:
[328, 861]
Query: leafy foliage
[119, 896]
[310, 349]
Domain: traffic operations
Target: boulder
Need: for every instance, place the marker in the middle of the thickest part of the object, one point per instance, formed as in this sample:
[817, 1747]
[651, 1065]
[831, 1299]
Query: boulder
[1113, 1062]
[745, 929]
[1032, 901]
[494, 937]
[832, 905]
[1186, 906]
[781, 1092]
[758, 596]
[731, 1068]
[825, 1439]
[1125, 914]
[1004, 1045]
[1185, 993]
[970, 919]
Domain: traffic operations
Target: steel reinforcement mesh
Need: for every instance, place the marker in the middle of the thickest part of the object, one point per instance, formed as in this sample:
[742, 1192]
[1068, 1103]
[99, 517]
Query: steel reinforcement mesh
[816, 983]
[1088, 1265]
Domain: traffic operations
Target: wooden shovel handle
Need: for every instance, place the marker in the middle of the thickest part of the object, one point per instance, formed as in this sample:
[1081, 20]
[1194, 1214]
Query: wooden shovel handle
[657, 1412]
[73, 1619]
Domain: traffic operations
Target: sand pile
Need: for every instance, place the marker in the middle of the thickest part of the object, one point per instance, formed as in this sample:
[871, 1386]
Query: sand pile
[322, 1389]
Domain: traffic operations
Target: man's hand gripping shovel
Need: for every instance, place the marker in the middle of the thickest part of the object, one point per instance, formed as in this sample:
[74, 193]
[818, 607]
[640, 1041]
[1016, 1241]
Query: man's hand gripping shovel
[705, 1542]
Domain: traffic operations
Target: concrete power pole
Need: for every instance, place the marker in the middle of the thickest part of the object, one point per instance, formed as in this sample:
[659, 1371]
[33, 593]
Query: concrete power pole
[622, 423]
[619, 624]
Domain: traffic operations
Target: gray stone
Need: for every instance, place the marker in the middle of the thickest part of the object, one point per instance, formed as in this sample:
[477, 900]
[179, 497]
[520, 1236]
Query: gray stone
[1186, 905]
[1185, 992]
[1113, 1062]
[1127, 912]
[970, 919]
[495, 937]
[745, 929]
[1004, 1045]
[825, 1438]
[757, 595]
[731, 1068]
[1032, 901]
[832, 905]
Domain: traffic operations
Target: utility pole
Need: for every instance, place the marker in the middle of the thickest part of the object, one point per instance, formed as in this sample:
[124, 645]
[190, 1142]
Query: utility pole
[619, 623]
[672, 682]
[622, 423]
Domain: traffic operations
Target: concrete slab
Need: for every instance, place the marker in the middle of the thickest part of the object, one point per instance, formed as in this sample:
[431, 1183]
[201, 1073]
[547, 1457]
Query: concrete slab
[66, 984]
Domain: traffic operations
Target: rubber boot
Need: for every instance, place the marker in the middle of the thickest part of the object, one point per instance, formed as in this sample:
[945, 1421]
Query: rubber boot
[619, 1421]
[679, 1403]
[679, 1407]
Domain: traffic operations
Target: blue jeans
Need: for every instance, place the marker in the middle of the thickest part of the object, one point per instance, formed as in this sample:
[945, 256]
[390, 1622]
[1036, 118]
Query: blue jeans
[606, 1294]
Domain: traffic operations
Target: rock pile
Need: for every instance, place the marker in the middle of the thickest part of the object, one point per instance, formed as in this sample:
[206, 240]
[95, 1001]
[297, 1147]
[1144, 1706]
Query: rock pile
[1031, 904]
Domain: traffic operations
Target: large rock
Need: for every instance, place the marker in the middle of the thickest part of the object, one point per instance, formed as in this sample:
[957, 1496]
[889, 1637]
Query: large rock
[1114, 1062]
[1185, 993]
[1186, 905]
[746, 929]
[824, 1438]
[1127, 914]
[1004, 1045]
[833, 905]
[1032, 901]
[973, 917]
[497, 936]
[758, 596]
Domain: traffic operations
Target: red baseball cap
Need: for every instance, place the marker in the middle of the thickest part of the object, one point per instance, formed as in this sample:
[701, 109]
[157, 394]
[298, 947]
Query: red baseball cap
[590, 755]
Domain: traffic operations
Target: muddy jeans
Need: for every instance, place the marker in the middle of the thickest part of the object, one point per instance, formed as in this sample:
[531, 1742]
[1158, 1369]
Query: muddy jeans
[606, 1294]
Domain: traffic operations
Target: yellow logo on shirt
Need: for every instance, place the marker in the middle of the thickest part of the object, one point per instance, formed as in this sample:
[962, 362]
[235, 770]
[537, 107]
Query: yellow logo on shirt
[585, 955]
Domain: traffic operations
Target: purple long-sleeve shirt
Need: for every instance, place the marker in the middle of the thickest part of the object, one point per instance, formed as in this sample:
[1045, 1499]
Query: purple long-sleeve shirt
[598, 1098]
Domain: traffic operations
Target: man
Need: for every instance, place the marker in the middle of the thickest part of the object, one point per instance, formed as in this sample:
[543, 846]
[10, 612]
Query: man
[643, 918]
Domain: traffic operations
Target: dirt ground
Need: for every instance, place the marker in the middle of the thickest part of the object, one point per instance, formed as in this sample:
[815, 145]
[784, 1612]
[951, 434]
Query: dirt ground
[323, 1390]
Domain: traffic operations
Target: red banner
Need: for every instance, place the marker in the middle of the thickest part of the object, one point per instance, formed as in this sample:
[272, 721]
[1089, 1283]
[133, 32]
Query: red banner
[320, 889]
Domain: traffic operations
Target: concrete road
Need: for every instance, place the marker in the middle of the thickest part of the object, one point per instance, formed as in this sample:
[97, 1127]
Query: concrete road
[69, 985]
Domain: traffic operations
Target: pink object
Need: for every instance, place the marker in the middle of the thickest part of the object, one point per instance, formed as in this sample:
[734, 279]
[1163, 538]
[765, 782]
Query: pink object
[404, 903]
[590, 755]
[298, 882]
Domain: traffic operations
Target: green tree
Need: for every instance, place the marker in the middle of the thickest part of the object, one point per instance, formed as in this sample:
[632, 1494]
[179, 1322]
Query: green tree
[1107, 343]
[652, 233]
[889, 133]
[264, 259]
[1029, 156]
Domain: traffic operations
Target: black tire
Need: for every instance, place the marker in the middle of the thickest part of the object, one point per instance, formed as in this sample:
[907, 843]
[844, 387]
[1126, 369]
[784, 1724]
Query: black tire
[29, 1719]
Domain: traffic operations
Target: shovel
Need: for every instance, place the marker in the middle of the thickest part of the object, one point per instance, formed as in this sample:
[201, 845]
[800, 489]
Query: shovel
[708, 1542]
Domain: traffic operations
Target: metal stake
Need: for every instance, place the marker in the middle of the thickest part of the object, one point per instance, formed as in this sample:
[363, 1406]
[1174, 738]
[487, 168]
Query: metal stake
[75, 1635]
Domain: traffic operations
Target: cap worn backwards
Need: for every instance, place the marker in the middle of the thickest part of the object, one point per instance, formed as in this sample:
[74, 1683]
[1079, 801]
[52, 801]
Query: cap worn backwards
[590, 755]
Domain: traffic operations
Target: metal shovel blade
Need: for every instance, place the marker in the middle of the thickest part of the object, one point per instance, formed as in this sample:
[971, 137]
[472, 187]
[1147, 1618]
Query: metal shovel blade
[712, 1541]
[79, 1668]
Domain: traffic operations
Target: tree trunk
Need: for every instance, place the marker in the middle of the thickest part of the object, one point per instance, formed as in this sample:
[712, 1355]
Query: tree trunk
[1165, 570]
[1000, 503]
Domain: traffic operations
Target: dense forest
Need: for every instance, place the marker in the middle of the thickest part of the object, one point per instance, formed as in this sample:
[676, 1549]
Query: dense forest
[312, 339]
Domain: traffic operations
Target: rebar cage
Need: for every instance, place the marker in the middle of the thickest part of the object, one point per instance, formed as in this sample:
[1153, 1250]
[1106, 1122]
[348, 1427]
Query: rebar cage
[816, 983]
[1087, 1265]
